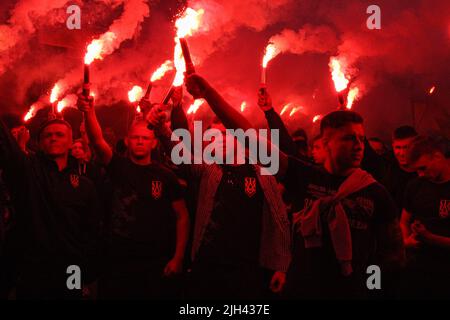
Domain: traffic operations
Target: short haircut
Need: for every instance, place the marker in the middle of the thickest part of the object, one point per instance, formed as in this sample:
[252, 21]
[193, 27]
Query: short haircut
[426, 145]
[339, 119]
[138, 123]
[300, 133]
[404, 132]
[83, 144]
[51, 122]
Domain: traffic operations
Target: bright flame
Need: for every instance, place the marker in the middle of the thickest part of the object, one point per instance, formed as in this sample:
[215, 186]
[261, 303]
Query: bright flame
[285, 108]
[195, 106]
[352, 95]
[135, 94]
[31, 113]
[317, 118]
[293, 111]
[179, 64]
[432, 89]
[243, 105]
[338, 76]
[55, 93]
[68, 101]
[271, 52]
[188, 22]
[98, 47]
[161, 71]
[61, 105]
[138, 109]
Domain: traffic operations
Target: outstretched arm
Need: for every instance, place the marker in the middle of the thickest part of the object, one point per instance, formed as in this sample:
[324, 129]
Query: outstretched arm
[94, 132]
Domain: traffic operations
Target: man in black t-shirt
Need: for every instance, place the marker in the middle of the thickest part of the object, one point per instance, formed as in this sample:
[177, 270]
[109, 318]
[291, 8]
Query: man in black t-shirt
[375, 236]
[397, 172]
[149, 221]
[426, 220]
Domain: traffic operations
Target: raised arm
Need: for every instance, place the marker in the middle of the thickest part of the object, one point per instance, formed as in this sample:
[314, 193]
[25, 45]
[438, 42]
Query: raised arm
[94, 132]
[274, 121]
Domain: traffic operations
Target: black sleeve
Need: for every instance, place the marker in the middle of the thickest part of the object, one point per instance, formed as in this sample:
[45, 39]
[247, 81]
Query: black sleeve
[287, 145]
[409, 195]
[386, 210]
[373, 163]
[297, 176]
[115, 167]
[12, 158]
[178, 119]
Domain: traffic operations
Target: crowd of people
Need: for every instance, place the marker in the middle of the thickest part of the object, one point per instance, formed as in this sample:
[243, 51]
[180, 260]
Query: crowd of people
[140, 227]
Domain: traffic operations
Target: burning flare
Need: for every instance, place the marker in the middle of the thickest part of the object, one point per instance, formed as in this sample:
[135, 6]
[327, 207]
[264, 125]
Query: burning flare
[135, 94]
[138, 109]
[31, 113]
[195, 106]
[243, 106]
[68, 101]
[352, 95]
[161, 71]
[285, 108]
[432, 90]
[188, 22]
[316, 118]
[293, 111]
[99, 47]
[271, 52]
[56, 91]
[337, 74]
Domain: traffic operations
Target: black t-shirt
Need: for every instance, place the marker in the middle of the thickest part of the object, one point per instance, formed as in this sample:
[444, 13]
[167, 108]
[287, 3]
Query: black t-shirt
[317, 269]
[396, 181]
[233, 234]
[430, 204]
[143, 223]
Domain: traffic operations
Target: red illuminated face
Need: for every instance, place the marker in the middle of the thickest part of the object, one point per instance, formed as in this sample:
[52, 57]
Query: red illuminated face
[430, 167]
[400, 147]
[55, 140]
[318, 152]
[140, 142]
[78, 151]
[345, 146]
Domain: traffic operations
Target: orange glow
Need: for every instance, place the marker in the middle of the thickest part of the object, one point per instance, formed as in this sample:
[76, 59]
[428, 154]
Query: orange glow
[337, 74]
[135, 94]
[161, 71]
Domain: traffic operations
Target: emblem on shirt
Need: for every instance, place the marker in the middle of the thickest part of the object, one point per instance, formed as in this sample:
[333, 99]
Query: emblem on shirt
[444, 209]
[250, 186]
[156, 189]
[75, 180]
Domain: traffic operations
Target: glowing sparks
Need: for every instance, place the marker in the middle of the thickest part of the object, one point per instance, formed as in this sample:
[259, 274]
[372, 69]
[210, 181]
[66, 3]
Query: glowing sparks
[31, 113]
[188, 22]
[352, 95]
[135, 94]
[195, 106]
[99, 47]
[54, 95]
[317, 118]
[432, 90]
[337, 74]
[271, 52]
[161, 71]
[243, 106]
[285, 108]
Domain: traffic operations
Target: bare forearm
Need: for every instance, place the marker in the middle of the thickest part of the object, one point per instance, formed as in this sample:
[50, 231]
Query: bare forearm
[182, 235]
[439, 241]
